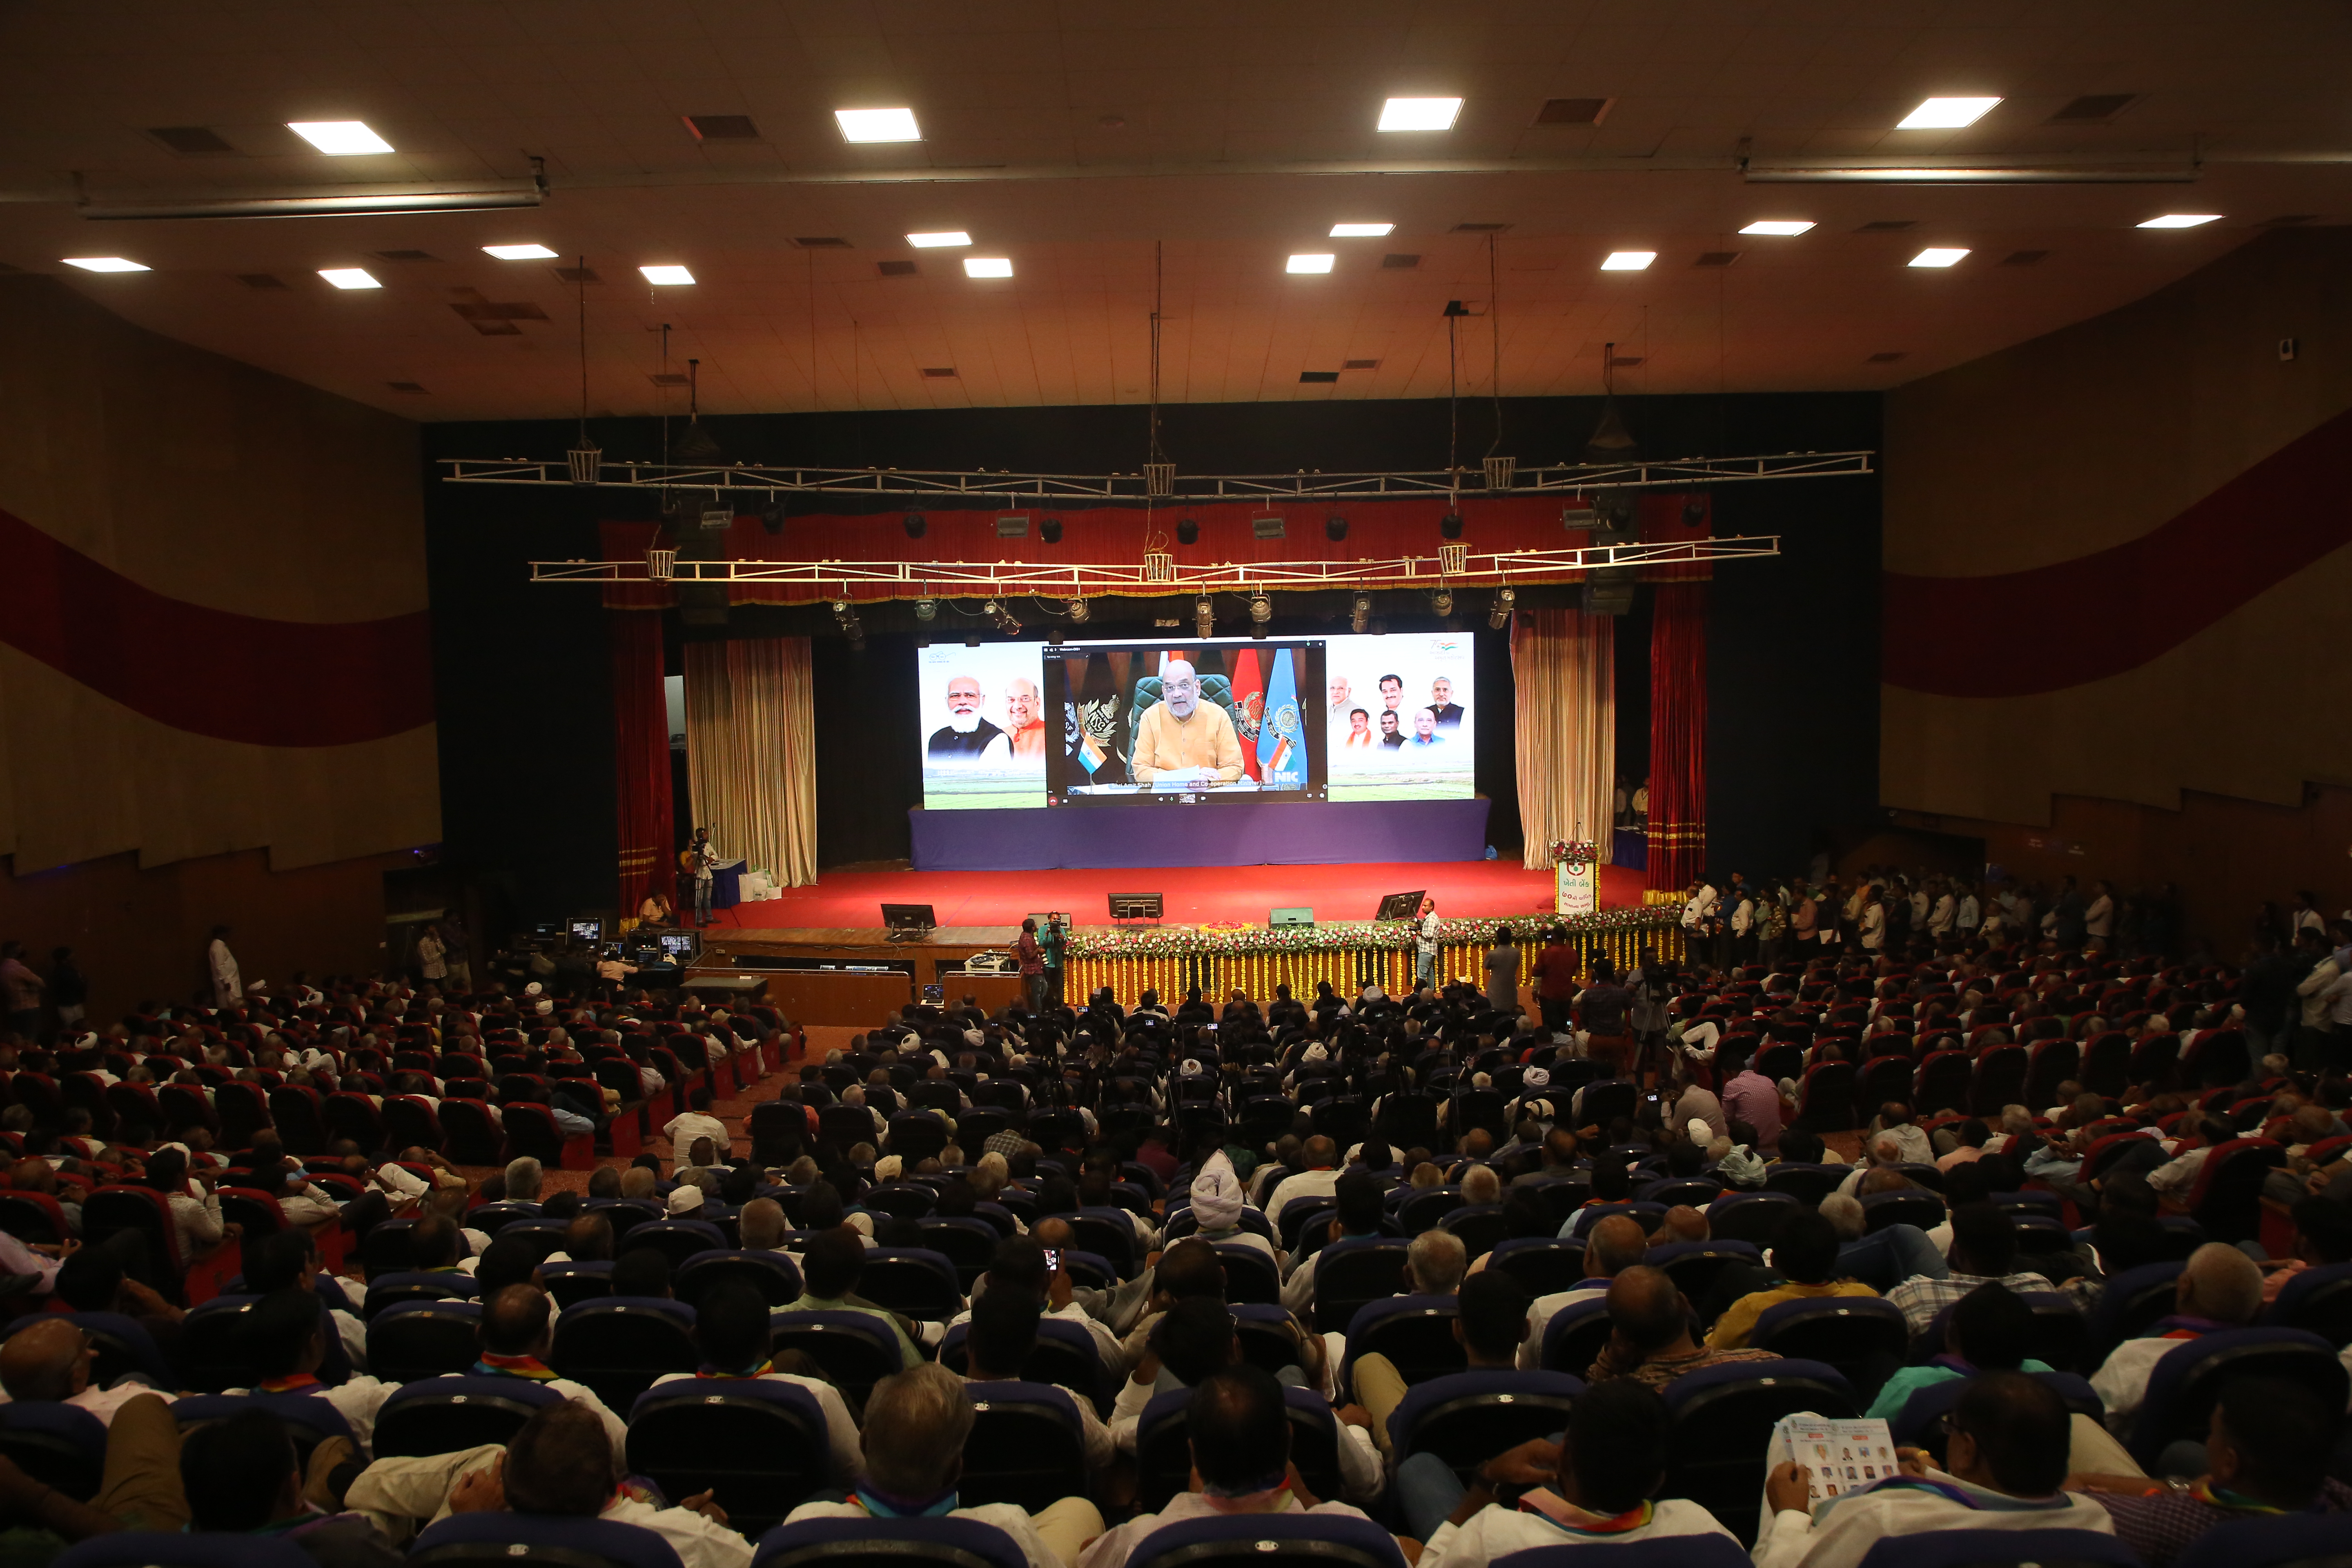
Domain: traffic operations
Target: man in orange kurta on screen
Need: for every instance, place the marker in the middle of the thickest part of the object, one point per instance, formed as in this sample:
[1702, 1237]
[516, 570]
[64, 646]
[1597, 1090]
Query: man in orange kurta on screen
[1024, 712]
[1183, 737]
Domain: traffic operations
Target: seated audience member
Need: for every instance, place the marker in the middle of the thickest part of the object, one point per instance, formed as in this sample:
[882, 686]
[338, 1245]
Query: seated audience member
[829, 1271]
[287, 1341]
[524, 1178]
[1358, 1194]
[587, 1239]
[2220, 1287]
[289, 1259]
[1434, 1263]
[1218, 1200]
[2004, 1469]
[762, 1225]
[2265, 1453]
[51, 1360]
[1892, 1253]
[917, 1423]
[1805, 1250]
[1988, 1332]
[1492, 1321]
[1315, 1181]
[517, 1324]
[1983, 1251]
[731, 1335]
[697, 1122]
[240, 1477]
[1613, 1459]
[642, 1271]
[1615, 1244]
[1239, 1432]
[1003, 1333]
[1649, 1334]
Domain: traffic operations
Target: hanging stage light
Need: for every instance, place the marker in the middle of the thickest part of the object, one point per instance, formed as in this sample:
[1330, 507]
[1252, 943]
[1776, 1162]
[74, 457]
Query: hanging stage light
[1187, 530]
[1442, 602]
[1205, 616]
[1050, 529]
[1500, 615]
[1360, 614]
[927, 609]
[1334, 528]
[1450, 525]
[916, 525]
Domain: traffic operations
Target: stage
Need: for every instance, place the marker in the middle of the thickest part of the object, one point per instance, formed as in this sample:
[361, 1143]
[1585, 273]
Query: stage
[1191, 894]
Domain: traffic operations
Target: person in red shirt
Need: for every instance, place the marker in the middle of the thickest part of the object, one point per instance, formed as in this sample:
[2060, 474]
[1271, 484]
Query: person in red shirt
[1556, 970]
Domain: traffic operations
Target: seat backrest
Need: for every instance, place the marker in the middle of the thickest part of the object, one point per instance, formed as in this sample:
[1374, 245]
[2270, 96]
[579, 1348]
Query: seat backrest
[857, 1350]
[424, 1339]
[2188, 1379]
[1163, 1460]
[59, 1445]
[1541, 1264]
[1990, 1548]
[493, 1538]
[1468, 1417]
[619, 1344]
[1027, 1445]
[180, 1549]
[1269, 1541]
[1723, 1418]
[913, 1281]
[872, 1543]
[773, 1274]
[444, 1415]
[759, 1445]
[1752, 1217]
[2311, 1539]
[1657, 1551]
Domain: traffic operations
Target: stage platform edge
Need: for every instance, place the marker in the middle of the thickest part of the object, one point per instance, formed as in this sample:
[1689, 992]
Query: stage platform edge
[1212, 833]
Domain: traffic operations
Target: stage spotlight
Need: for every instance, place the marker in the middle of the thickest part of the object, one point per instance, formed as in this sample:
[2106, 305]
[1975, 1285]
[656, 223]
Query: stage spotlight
[1442, 602]
[1187, 530]
[927, 609]
[847, 617]
[1450, 525]
[1359, 616]
[772, 515]
[916, 525]
[1080, 610]
[1050, 529]
[1500, 615]
[1335, 529]
[1053, 636]
[1204, 616]
[1261, 610]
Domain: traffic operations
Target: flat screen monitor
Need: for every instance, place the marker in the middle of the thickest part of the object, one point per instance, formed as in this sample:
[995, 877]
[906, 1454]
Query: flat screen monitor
[681, 946]
[909, 917]
[1401, 906]
[587, 928]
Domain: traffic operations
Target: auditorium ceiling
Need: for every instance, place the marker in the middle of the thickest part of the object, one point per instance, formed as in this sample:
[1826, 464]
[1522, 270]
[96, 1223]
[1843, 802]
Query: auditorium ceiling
[1185, 151]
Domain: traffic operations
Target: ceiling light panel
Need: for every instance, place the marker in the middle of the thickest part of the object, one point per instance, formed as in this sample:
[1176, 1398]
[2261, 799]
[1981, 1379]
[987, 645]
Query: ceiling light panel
[1628, 260]
[1779, 226]
[520, 252]
[1939, 255]
[339, 138]
[878, 125]
[1420, 113]
[1946, 113]
[666, 276]
[349, 277]
[988, 266]
[2182, 220]
[104, 263]
[1362, 230]
[943, 238]
[1314, 263]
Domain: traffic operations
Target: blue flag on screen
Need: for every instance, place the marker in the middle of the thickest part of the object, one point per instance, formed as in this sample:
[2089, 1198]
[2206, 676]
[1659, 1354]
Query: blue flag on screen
[1281, 764]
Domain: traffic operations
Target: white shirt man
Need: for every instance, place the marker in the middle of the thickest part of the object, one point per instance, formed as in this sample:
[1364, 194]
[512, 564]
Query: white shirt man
[1699, 907]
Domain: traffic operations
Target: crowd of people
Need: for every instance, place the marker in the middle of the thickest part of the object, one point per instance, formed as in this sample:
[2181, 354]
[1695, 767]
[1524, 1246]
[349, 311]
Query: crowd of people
[1201, 1233]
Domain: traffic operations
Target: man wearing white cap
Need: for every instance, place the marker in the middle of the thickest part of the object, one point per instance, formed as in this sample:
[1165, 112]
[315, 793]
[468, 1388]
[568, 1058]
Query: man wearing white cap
[1217, 1202]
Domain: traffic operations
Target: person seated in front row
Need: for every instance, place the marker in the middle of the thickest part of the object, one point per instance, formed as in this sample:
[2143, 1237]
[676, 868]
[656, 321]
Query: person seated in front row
[2004, 1470]
[1491, 1321]
[1239, 1433]
[1600, 1480]
[916, 1423]
[731, 1336]
[1805, 1250]
[1988, 1332]
[1649, 1334]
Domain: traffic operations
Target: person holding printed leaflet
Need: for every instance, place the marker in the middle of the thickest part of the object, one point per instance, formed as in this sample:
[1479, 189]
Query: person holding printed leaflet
[1183, 740]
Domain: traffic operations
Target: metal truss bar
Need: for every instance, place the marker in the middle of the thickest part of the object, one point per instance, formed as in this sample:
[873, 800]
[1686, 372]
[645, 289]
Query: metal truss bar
[1009, 488]
[948, 579]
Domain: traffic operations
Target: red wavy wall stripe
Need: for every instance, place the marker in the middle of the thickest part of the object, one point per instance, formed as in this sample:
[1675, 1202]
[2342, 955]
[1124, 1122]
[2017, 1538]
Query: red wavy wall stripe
[2021, 633]
[211, 672]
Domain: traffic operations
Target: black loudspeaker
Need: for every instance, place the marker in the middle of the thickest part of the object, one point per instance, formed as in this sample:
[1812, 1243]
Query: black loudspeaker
[1335, 529]
[916, 525]
[1187, 531]
[1608, 591]
[1450, 525]
[1050, 529]
[1135, 906]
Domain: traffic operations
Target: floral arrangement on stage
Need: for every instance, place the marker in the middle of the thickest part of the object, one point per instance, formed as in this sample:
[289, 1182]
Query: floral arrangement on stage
[1183, 941]
[1574, 854]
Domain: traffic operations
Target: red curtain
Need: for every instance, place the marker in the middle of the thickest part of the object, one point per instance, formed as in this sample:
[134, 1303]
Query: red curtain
[640, 757]
[1677, 836]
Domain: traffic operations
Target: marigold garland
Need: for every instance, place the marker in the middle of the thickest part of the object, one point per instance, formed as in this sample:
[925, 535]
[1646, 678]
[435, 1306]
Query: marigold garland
[1180, 941]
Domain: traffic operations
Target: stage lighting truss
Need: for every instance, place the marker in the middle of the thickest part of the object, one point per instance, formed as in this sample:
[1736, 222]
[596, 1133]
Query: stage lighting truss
[1068, 580]
[1499, 476]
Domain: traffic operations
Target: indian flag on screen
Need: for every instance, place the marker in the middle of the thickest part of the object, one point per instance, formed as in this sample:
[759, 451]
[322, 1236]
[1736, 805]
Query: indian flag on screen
[1281, 765]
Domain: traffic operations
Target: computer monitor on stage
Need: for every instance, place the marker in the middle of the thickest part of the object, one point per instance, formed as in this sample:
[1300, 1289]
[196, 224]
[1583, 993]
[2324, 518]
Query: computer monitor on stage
[1401, 906]
[589, 928]
[909, 917]
[681, 947]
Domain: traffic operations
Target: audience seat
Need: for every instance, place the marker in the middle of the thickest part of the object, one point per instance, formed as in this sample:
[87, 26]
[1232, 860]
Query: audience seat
[1865, 1340]
[1250, 1274]
[759, 1445]
[1723, 1418]
[391, 1289]
[469, 1136]
[1880, 1210]
[2227, 1198]
[308, 1420]
[2317, 1301]
[618, 1345]
[911, 1281]
[1694, 1265]
[1064, 1355]
[180, 1549]
[677, 1240]
[1577, 1334]
[1754, 1217]
[1920, 1423]
[2000, 1548]
[901, 1200]
[1807, 1184]
[1027, 1447]
[572, 1283]
[1163, 1460]
[116, 1208]
[424, 1339]
[1110, 1234]
[57, 1445]
[773, 1274]
[857, 1350]
[1825, 1098]
[2132, 1300]
[1658, 1552]
[1469, 1417]
[1354, 1272]
[1542, 1265]
[1479, 1227]
[871, 1543]
[1416, 1332]
[445, 1414]
[498, 1539]
[2182, 1389]
[2305, 1540]
[1269, 1541]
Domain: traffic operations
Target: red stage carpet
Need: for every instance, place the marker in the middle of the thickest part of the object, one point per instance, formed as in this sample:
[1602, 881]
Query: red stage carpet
[1191, 894]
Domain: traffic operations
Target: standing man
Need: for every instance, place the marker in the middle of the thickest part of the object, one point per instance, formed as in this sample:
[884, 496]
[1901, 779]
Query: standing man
[457, 953]
[1424, 946]
[1182, 738]
[700, 858]
[1052, 942]
[24, 985]
[67, 989]
[1033, 966]
[227, 985]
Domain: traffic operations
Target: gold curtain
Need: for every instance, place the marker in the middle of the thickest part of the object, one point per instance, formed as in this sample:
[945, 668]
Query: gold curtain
[749, 753]
[1563, 663]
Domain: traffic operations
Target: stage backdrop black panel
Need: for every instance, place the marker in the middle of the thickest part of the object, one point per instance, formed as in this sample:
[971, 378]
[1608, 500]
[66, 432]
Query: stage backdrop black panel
[1793, 693]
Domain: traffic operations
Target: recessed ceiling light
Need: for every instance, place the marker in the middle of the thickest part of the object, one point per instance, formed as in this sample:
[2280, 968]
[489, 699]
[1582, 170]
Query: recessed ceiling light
[2181, 220]
[1362, 230]
[1419, 113]
[1945, 113]
[520, 252]
[666, 275]
[1628, 260]
[947, 237]
[1778, 225]
[349, 277]
[988, 266]
[1939, 255]
[339, 138]
[878, 125]
[104, 263]
[1321, 263]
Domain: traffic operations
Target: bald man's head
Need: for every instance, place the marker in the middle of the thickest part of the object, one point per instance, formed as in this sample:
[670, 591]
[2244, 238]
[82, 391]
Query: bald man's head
[1645, 1307]
[50, 1361]
[1614, 1245]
